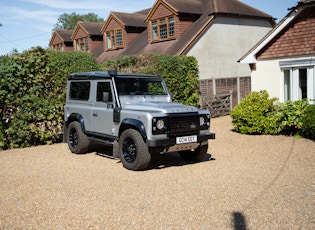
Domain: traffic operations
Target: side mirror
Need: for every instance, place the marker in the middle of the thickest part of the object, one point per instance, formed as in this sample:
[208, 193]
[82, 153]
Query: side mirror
[105, 96]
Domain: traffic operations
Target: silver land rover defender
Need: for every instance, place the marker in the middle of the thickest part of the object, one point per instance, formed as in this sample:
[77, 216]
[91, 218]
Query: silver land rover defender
[135, 114]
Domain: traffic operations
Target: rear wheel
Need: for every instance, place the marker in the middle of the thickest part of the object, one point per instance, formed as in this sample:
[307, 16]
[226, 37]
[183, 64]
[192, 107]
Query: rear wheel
[197, 154]
[134, 153]
[78, 142]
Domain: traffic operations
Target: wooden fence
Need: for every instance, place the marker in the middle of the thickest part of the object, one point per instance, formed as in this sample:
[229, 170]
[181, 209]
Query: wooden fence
[218, 105]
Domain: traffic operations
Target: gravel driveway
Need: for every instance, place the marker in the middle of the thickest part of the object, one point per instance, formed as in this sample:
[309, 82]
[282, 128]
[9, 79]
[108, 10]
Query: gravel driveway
[248, 182]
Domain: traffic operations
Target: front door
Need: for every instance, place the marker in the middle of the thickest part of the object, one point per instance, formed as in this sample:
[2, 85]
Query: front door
[102, 111]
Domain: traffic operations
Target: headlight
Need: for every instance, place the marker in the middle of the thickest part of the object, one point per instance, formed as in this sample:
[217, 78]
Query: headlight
[202, 121]
[160, 124]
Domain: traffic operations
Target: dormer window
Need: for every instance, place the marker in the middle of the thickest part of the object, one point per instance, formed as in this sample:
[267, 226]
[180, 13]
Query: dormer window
[82, 44]
[163, 29]
[114, 39]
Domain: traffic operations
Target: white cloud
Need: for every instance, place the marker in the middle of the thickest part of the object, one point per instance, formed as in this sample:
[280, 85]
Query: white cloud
[17, 13]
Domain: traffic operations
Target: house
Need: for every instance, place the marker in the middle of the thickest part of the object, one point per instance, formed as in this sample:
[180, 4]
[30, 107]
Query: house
[61, 40]
[215, 32]
[87, 36]
[283, 62]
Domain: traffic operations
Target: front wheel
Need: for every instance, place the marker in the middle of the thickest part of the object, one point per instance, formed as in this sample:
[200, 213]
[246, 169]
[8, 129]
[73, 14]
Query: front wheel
[134, 153]
[197, 154]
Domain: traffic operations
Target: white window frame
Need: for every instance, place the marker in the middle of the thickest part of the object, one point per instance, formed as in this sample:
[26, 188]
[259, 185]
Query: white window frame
[294, 67]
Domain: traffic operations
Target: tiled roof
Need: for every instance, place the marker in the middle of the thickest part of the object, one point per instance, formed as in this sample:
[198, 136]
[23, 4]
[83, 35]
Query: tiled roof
[187, 6]
[215, 7]
[92, 28]
[294, 35]
[135, 19]
[65, 34]
[235, 7]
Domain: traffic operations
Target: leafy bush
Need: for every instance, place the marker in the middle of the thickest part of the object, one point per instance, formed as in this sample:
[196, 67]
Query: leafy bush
[291, 115]
[32, 94]
[308, 122]
[259, 114]
[179, 72]
[253, 114]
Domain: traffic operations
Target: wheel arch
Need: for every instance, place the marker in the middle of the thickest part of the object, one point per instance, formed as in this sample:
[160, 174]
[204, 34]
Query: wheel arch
[76, 117]
[133, 124]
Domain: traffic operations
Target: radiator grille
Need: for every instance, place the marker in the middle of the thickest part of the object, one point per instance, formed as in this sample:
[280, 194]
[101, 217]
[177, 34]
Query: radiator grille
[183, 124]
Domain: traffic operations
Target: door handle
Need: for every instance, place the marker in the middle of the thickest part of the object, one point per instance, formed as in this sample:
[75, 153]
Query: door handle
[95, 114]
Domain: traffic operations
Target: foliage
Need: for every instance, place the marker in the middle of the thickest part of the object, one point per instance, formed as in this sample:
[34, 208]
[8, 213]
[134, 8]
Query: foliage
[252, 115]
[32, 94]
[179, 72]
[69, 21]
[308, 122]
[259, 114]
[290, 116]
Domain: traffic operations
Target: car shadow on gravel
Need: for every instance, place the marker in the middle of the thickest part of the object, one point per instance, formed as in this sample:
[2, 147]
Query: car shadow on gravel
[161, 161]
[158, 161]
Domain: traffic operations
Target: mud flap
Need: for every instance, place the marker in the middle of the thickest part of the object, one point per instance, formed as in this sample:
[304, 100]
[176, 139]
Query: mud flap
[116, 149]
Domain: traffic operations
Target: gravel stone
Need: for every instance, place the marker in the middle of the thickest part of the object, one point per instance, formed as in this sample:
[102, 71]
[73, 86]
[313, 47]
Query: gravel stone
[245, 182]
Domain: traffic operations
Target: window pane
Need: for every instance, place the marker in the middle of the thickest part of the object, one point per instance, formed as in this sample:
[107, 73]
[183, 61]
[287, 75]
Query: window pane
[87, 44]
[163, 31]
[302, 83]
[80, 90]
[171, 27]
[118, 37]
[287, 85]
[108, 40]
[154, 31]
[104, 92]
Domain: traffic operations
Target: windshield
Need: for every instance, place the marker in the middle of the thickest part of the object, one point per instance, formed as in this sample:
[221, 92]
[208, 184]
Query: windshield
[140, 86]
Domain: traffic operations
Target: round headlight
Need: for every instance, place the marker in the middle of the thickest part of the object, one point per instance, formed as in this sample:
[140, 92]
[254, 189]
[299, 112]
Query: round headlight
[202, 121]
[160, 124]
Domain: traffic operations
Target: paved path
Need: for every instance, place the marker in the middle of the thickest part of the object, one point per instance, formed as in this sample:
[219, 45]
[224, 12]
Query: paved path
[248, 182]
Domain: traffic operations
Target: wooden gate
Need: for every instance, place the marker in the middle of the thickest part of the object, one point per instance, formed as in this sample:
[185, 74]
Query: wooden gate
[218, 105]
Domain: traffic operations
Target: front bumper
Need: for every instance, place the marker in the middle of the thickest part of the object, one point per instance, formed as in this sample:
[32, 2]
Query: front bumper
[172, 141]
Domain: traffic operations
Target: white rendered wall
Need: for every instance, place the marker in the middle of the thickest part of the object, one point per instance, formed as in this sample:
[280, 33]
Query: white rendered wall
[224, 43]
[267, 76]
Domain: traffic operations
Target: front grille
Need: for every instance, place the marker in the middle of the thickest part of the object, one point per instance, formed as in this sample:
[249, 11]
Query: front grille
[183, 124]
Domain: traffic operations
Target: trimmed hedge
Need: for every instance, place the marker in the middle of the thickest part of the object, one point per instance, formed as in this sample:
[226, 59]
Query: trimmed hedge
[259, 114]
[32, 94]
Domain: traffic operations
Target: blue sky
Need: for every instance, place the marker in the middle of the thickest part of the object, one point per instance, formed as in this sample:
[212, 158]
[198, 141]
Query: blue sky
[29, 23]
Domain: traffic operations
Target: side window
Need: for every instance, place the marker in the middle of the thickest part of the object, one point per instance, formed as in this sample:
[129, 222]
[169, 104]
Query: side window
[104, 92]
[80, 90]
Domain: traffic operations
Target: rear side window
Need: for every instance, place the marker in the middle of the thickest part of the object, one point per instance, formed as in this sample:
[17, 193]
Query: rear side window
[80, 90]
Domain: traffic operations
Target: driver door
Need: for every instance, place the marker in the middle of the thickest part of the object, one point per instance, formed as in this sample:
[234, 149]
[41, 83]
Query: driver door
[102, 111]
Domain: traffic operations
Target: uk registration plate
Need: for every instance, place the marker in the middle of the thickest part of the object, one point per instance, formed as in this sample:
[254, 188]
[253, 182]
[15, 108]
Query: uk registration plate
[186, 139]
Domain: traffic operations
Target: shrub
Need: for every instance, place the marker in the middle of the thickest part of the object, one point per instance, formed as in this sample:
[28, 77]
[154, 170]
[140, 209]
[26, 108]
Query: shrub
[254, 114]
[308, 123]
[291, 115]
[258, 114]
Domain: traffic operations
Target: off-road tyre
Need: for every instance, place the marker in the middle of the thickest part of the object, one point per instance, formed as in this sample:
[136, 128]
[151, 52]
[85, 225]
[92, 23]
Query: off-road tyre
[134, 153]
[78, 142]
[197, 154]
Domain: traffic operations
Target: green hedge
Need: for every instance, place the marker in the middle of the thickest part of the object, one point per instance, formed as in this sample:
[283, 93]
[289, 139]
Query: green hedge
[32, 94]
[179, 72]
[259, 114]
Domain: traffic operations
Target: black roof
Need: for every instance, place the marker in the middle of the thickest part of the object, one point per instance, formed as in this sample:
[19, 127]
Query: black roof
[104, 75]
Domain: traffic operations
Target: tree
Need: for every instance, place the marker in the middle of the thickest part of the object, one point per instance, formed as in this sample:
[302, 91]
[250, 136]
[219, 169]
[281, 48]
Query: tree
[69, 21]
